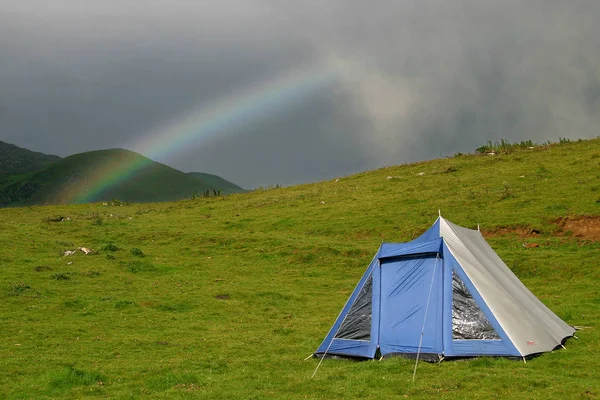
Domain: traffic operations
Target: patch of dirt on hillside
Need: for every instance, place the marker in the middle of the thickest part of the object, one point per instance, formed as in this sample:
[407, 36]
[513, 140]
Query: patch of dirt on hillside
[583, 227]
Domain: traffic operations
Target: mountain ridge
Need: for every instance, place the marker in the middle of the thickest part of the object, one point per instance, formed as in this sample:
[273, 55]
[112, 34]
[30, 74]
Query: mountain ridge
[18, 160]
[102, 175]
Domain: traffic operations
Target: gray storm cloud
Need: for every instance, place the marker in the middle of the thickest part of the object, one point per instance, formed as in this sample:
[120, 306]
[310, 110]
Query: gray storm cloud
[414, 79]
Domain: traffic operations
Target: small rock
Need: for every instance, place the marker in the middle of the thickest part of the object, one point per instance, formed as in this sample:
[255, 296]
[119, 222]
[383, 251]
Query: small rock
[530, 245]
[421, 174]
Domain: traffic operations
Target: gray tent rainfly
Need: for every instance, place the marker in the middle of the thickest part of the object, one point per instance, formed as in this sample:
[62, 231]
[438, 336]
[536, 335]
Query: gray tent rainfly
[444, 294]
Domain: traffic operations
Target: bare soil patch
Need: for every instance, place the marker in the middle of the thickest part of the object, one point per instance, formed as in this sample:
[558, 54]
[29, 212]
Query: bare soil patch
[584, 227]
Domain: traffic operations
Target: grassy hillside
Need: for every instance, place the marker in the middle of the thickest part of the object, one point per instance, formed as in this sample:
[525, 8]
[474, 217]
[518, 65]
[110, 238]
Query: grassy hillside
[225, 186]
[16, 160]
[63, 180]
[224, 297]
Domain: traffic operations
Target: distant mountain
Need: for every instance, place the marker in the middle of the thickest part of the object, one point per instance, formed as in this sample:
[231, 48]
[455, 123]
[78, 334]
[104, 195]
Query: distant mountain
[224, 185]
[16, 160]
[101, 176]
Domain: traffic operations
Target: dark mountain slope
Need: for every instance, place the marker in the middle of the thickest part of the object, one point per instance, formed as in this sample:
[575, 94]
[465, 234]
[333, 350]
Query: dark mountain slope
[100, 176]
[224, 185]
[17, 160]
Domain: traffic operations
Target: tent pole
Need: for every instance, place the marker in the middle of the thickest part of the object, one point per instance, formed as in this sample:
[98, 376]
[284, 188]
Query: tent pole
[330, 343]
[322, 357]
[425, 317]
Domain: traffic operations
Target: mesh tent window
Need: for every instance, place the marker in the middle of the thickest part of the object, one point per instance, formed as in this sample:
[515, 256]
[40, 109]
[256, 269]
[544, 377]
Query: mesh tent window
[468, 320]
[357, 325]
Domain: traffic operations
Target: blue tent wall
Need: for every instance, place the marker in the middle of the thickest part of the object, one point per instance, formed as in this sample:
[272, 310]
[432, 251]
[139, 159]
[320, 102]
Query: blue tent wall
[410, 302]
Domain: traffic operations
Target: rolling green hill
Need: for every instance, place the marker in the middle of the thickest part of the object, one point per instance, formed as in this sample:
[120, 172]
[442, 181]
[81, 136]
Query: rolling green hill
[65, 180]
[216, 181]
[224, 297]
[16, 160]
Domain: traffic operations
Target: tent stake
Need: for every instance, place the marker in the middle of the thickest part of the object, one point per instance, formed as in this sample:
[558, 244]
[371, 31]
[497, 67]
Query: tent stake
[524, 360]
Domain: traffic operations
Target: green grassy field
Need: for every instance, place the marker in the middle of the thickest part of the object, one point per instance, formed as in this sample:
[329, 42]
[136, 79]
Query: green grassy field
[224, 297]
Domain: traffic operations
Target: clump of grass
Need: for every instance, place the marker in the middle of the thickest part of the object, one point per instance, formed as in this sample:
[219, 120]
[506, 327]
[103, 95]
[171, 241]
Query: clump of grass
[504, 146]
[118, 203]
[179, 307]
[97, 219]
[109, 247]
[19, 289]
[506, 193]
[450, 170]
[41, 268]
[70, 377]
[564, 140]
[53, 218]
[141, 266]
[61, 276]
[76, 304]
[137, 252]
[542, 172]
[122, 304]
[283, 331]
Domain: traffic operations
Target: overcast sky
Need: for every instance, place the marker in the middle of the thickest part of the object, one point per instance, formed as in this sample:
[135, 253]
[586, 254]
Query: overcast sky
[408, 80]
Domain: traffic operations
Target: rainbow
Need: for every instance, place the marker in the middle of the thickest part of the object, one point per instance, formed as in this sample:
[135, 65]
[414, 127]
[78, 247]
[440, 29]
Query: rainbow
[201, 123]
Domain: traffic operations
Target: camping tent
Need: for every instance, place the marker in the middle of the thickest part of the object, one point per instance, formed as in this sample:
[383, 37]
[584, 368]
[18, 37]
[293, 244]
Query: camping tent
[444, 294]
